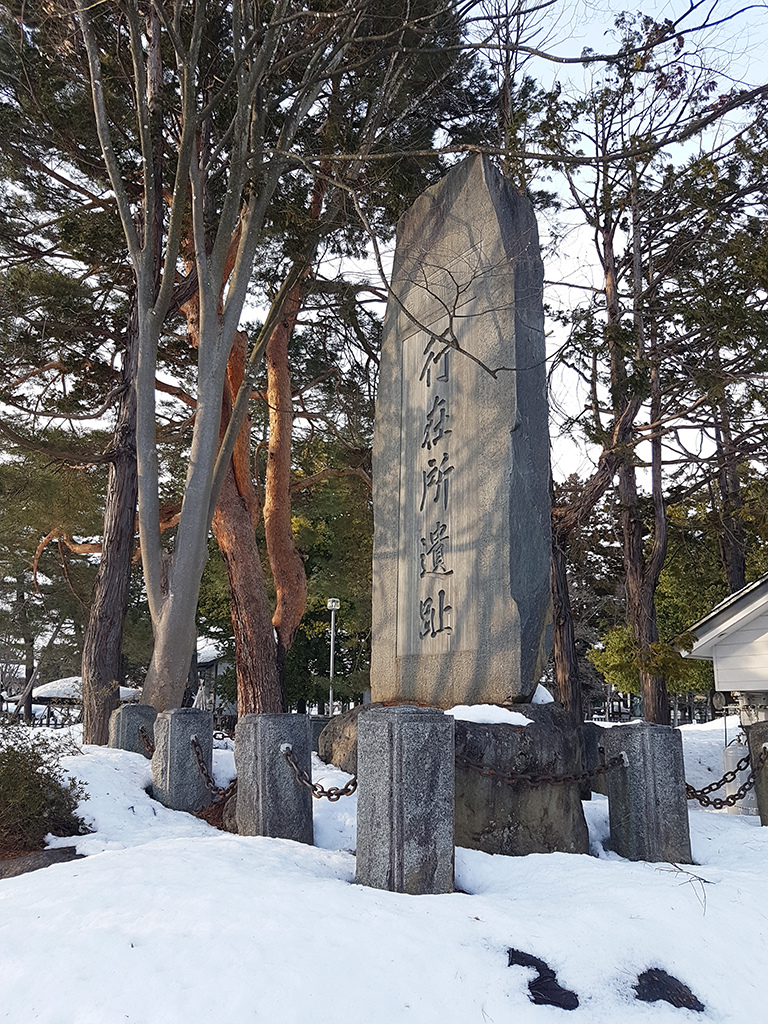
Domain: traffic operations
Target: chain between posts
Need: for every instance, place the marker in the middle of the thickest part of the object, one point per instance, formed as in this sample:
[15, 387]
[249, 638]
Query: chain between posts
[730, 776]
[145, 738]
[318, 792]
[530, 781]
[486, 771]
[218, 793]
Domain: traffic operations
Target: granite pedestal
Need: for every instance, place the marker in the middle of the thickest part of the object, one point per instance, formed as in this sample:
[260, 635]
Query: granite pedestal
[647, 806]
[176, 778]
[515, 820]
[270, 800]
[124, 725]
[405, 808]
[757, 735]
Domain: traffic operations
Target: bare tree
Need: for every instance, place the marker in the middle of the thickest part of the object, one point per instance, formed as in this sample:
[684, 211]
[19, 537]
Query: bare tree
[271, 75]
[658, 97]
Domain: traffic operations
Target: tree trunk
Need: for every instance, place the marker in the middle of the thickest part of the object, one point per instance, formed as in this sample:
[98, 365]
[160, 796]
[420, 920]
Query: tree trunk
[731, 535]
[104, 632]
[29, 644]
[641, 608]
[259, 687]
[566, 663]
[285, 561]
[641, 575]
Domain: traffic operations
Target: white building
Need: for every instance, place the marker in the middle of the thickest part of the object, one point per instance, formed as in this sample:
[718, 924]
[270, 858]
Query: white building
[734, 636]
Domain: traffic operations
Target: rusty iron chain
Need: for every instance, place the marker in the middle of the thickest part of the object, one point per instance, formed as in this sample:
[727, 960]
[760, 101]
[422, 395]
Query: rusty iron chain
[730, 776]
[218, 793]
[318, 792]
[530, 781]
[146, 739]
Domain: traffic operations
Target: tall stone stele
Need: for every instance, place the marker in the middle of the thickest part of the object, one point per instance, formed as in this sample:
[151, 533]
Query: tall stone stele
[461, 452]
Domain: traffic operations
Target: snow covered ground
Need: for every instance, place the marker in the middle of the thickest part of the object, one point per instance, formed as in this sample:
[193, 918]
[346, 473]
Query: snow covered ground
[169, 921]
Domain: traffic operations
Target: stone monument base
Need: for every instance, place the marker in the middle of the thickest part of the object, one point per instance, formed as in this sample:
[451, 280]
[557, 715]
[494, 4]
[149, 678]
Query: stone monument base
[337, 743]
[491, 815]
[510, 819]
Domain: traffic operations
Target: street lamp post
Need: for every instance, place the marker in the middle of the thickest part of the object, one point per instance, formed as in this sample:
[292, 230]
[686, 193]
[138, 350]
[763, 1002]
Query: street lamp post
[333, 606]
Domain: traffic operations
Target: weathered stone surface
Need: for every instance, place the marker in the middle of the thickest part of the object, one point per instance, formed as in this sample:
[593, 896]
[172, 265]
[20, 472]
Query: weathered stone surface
[647, 807]
[461, 455]
[33, 861]
[757, 735]
[734, 752]
[498, 818]
[229, 815]
[591, 757]
[337, 744]
[124, 725]
[316, 725]
[405, 800]
[270, 800]
[176, 778]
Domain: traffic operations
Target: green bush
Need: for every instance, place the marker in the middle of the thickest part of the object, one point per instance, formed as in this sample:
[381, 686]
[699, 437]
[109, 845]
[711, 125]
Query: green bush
[35, 797]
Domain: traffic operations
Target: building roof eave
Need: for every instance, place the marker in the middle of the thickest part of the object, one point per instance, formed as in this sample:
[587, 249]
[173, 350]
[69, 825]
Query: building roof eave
[734, 611]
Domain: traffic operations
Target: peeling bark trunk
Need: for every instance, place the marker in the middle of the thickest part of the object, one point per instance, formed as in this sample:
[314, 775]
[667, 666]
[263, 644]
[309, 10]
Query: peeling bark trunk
[104, 632]
[640, 599]
[234, 522]
[287, 565]
[259, 687]
[642, 572]
[566, 665]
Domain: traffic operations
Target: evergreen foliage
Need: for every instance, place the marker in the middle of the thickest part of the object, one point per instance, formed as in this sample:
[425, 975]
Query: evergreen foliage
[35, 797]
[681, 337]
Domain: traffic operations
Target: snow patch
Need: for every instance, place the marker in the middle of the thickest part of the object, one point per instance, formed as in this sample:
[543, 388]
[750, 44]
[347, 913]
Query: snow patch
[488, 714]
[71, 687]
[542, 696]
[175, 922]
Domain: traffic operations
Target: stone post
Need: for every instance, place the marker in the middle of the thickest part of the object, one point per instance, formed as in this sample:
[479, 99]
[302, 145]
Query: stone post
[270, 799]
[176, 778]
[124, 725]
[405, 807]
[758, 735]
[646, 799]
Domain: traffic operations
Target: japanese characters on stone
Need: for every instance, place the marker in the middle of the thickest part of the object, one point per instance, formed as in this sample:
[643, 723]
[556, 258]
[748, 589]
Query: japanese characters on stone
[435, 470]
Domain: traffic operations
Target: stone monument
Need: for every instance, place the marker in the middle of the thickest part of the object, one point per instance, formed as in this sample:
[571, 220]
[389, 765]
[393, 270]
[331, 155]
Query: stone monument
[461, 452]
